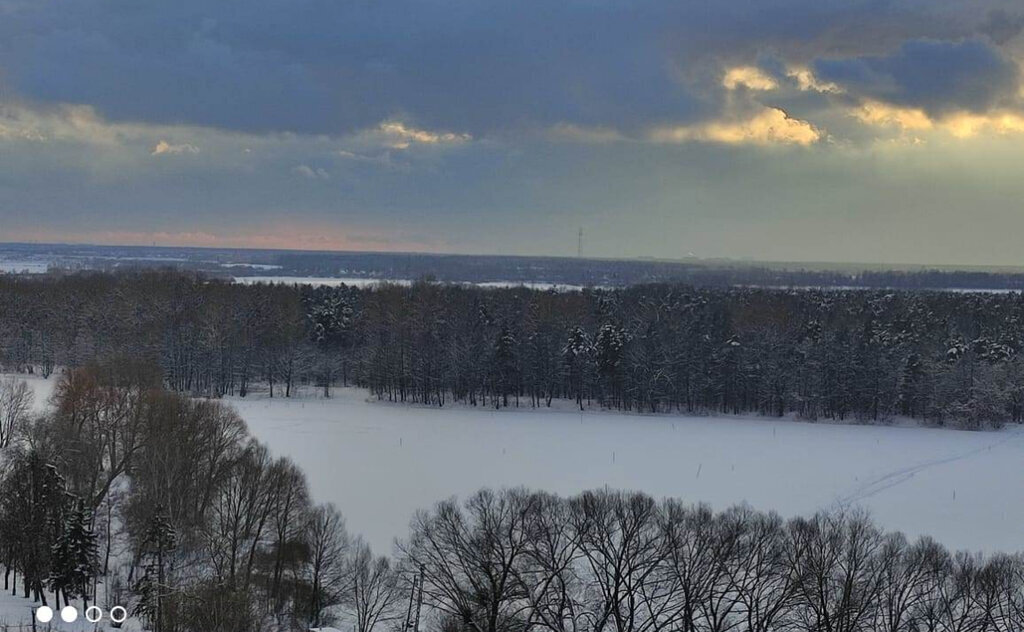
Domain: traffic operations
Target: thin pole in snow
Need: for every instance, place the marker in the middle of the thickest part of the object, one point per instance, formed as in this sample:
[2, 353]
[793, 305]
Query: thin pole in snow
[412, 597]
[419, 601]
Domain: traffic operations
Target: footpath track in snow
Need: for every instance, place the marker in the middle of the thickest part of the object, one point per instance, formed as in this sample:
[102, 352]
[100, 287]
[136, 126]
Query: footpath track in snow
[879, 484]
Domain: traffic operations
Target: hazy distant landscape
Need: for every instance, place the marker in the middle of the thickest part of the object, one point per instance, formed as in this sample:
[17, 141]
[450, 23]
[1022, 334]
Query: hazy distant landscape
[359, 268]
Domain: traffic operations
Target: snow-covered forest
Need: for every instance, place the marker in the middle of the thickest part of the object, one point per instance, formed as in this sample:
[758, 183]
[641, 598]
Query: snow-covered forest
[138, 483]
[939, 357]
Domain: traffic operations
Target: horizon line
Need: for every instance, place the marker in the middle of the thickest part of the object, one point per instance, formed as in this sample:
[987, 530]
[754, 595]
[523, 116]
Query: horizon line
[810, 265]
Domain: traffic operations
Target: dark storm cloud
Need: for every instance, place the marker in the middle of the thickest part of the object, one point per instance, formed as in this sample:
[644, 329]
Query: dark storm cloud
[318, 66]
[330, 66]
[936, 76]
[509, 124]
[1001, 26]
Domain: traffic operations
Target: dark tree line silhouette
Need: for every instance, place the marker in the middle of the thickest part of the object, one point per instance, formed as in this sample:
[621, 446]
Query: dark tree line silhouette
[942, 357]
[613, 561]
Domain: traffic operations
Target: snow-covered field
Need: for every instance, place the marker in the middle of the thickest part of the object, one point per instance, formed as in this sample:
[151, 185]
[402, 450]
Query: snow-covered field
[379, 462]
[16, 266]
[362, 282]
[322, 281]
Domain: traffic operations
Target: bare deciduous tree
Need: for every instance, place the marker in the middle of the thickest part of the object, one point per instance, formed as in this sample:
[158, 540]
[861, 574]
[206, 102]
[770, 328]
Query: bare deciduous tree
[375, 590]
[839, 579]
[629, 587]
[15, 407]
[467, 557]
[326, 568]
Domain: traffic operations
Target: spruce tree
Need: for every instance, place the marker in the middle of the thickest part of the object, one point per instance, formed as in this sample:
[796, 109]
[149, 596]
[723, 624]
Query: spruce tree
[32, 509]
[160, 539]
[74, 557]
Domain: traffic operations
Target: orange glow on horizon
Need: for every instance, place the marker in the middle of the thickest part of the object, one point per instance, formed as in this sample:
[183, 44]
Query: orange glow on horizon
[265, 239]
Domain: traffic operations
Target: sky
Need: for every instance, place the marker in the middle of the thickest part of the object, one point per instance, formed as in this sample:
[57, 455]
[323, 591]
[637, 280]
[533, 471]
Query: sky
[794, 130]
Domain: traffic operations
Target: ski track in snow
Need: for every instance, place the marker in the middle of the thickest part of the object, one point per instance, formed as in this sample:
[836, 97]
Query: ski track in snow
[899, 476]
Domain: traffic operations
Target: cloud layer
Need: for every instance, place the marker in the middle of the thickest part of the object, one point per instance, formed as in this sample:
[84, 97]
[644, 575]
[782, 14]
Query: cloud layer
[932, 75]
[448, 122]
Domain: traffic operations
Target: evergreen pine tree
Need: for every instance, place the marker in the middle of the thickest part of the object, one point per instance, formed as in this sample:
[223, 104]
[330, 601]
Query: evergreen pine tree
[32, 507]
[74, 557]
[160, 539]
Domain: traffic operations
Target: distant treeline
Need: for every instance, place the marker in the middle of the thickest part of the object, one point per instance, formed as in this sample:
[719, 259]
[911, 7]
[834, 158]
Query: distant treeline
[623, 272]
[574, 271]
[942, 357]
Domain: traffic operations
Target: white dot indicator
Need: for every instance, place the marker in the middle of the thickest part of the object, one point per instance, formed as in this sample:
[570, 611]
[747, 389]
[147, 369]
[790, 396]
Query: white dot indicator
[93, 614]
[118, 614]
[69, 614]
[44, 614]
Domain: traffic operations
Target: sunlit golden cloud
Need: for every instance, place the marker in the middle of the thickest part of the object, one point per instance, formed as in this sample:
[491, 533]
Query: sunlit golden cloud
[165, 148]
[881, 114]
[808, 82]
[962, 125]
[969, 125]
[78, 123]
[82, 125]
[770, 126]
[749, 77]
[402, 136]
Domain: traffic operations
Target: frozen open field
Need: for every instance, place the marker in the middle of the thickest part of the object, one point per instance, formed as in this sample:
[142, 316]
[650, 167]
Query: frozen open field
[379, 462]
[323, 281]
[361, 282]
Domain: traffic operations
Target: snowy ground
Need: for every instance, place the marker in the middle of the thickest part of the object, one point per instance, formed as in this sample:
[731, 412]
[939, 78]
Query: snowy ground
[361, 282]
[324, 281]
[380, 462]
[41, 389]
[29, 266]
[16, 615]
